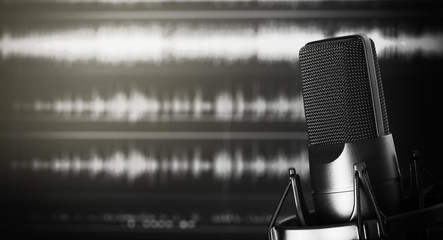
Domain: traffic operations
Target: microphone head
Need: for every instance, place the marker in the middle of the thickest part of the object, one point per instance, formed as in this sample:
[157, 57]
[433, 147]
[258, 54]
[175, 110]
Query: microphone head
[342, 90]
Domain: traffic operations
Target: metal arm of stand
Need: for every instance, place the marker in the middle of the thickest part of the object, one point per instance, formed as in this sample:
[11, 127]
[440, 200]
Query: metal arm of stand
[294, 182]
[298, 198]
[361, 178]
[419, 216]
[277, 210]
[416, 186]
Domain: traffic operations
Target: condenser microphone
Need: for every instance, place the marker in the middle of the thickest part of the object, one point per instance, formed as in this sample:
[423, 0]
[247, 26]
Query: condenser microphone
[347, 124]
[355, 178]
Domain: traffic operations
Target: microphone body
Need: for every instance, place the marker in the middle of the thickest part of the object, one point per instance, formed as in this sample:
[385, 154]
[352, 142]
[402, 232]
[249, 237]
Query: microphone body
[347, 124]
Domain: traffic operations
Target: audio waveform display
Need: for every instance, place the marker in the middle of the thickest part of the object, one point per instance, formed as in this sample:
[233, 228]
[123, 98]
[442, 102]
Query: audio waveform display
[156, 43]
[140, 220]
[137, 106]
[161, 221]
[222, 165]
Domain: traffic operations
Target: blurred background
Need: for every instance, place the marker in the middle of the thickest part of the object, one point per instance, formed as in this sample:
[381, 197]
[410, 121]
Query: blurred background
[180, 118]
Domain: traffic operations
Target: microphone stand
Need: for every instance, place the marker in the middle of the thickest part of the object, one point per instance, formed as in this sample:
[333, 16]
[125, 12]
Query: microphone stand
[416, 221]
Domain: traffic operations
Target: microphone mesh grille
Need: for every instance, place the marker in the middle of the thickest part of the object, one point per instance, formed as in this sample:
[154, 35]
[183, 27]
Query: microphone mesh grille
[336, 91]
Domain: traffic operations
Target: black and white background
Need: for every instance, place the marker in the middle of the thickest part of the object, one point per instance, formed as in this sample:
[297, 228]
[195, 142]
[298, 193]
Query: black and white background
[179, 119]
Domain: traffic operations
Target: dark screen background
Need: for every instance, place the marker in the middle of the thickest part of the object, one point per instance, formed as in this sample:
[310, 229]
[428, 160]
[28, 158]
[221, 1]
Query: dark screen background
[154, 119]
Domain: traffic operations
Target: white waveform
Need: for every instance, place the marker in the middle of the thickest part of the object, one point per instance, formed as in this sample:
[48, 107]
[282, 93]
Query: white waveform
[427, 44]
[129, 44]
[158, 43]
[223, 165]
[136, 106]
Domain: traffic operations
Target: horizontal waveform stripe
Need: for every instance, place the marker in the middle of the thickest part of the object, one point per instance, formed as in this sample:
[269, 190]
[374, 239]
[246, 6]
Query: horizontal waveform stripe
[137, 106]
[157, 43]
[137, 135]
[221, 165]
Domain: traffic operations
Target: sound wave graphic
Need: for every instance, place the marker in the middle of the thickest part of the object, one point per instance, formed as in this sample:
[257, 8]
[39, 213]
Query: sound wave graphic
[222, 165]
[136, 106]
[163, 219]
[157, 43]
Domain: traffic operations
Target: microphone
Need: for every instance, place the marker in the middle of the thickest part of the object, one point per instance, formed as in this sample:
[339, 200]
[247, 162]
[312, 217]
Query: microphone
[357, 189]
[347, 124]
